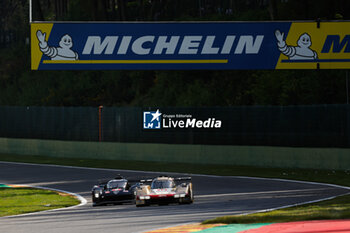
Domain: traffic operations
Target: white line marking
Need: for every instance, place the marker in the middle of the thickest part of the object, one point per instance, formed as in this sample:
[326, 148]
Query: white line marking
[294, 205]
[256, 193]
[295, 181]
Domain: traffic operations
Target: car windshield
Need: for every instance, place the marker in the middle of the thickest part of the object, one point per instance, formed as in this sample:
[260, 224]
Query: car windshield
[161, 184]
[116, 184]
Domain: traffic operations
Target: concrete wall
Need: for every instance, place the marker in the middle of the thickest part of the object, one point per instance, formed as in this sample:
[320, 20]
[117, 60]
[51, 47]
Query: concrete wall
[319, 158]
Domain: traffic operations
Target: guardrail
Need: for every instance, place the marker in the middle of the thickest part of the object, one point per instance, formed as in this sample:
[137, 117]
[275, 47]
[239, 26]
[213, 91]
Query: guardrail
[284, 157]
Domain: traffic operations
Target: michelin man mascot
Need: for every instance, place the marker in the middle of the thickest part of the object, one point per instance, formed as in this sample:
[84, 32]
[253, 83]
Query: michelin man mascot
[63, 52]
[300, 52]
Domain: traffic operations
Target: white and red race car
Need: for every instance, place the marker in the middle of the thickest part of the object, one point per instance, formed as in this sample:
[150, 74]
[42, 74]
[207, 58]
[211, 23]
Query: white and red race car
[164, 190]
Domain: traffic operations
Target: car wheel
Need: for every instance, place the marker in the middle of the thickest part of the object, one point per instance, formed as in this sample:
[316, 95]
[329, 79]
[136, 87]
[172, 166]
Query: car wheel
[187, 200]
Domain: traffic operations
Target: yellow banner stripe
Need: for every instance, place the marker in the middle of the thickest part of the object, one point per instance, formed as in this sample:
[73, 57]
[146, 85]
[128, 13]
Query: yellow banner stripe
[134, 61]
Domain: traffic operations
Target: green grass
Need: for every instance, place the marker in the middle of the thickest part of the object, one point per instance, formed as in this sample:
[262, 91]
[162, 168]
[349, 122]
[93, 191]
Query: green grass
[15, 201]
[338, 208]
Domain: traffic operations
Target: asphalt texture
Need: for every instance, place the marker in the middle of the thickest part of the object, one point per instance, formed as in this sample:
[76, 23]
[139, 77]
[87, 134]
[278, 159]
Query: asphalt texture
[214, 196]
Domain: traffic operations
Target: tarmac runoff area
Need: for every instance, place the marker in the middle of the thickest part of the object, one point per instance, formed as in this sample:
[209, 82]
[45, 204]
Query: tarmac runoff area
[326, 226]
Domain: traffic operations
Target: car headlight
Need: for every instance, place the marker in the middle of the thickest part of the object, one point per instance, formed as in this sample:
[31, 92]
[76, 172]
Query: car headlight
[97, 195]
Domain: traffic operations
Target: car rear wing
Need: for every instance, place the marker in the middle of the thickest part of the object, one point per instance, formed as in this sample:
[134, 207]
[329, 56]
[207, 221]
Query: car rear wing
[149, 180]
[145, 180]
[183, 178]
[105, 181]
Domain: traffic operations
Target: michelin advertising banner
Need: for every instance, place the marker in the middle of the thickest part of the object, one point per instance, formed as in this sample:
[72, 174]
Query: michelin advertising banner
[190, 46]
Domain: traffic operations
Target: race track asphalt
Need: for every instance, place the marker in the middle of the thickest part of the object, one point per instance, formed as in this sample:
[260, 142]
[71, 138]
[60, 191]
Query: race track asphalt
[214, 196]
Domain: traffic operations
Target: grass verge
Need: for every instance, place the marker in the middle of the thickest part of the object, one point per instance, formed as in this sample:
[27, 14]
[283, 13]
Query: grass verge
[338, 208]
[14, 201]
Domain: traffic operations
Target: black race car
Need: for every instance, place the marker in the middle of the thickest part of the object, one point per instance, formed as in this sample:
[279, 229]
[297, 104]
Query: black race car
[115, 191]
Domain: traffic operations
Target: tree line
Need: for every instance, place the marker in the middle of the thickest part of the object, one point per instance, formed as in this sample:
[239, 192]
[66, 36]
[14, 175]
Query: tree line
[150, 10]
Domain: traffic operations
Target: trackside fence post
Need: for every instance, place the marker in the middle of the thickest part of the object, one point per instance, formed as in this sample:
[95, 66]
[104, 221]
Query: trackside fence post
[100, 139]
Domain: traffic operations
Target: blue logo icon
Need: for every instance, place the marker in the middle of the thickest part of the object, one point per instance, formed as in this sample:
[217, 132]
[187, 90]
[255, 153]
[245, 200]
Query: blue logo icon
[152, 120]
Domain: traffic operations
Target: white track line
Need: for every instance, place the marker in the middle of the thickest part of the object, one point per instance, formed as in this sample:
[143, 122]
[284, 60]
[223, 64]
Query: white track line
[256, 193]
[294, 205]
